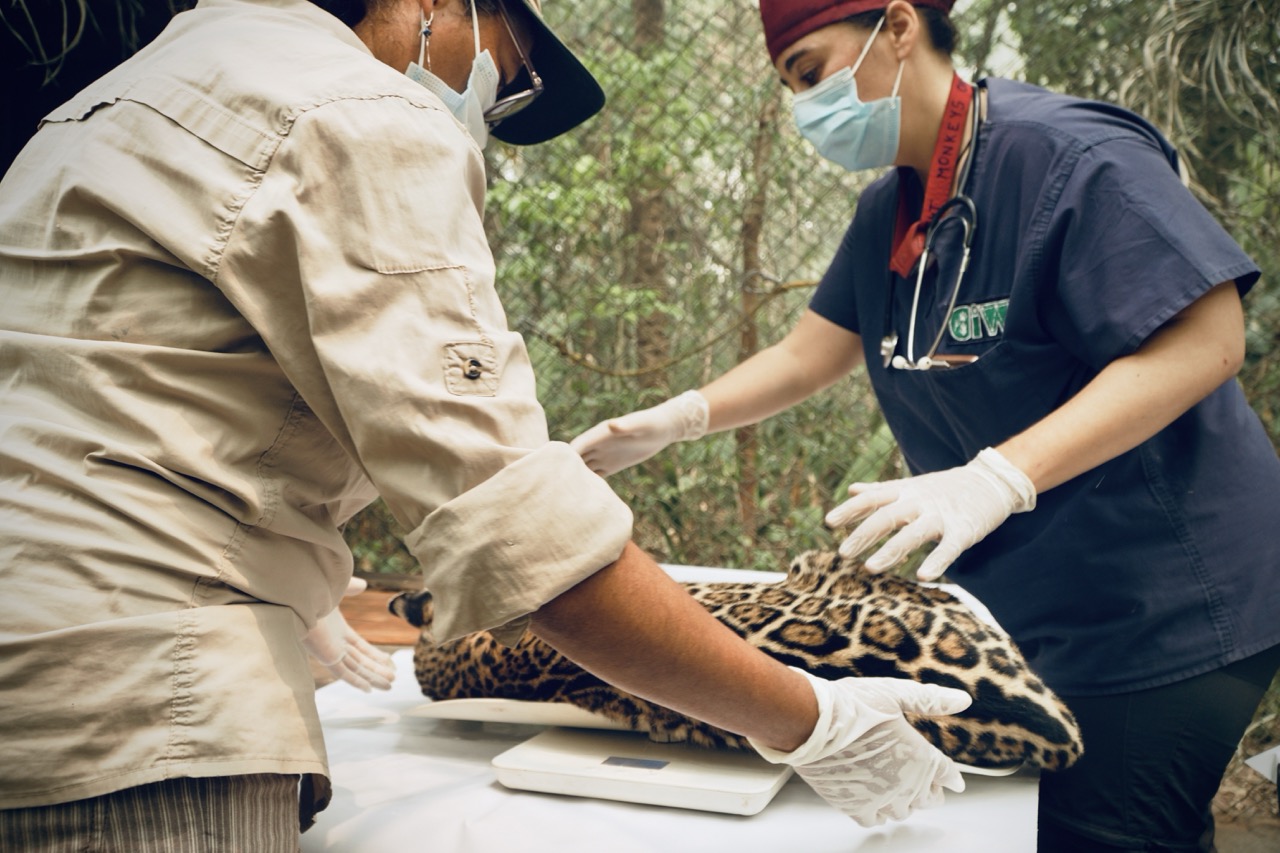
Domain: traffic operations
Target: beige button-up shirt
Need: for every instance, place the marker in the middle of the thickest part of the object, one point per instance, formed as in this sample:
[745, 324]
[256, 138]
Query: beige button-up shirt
[244, 287]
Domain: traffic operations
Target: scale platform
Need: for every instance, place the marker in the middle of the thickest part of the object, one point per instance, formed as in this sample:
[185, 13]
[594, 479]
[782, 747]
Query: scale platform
[628, 767]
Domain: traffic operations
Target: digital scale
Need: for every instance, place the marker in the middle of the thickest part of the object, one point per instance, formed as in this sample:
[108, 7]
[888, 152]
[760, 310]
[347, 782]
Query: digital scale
[629, 767]
[586, 755]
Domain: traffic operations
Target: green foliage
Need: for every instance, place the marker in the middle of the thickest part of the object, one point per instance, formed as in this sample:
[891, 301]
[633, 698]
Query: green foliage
[1086, 47]
[1208, 74]
[621, 312]
[628, 252]
[683, 123]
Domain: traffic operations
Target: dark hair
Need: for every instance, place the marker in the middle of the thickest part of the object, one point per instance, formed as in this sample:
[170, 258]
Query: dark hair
[352, 12]
[941, 29]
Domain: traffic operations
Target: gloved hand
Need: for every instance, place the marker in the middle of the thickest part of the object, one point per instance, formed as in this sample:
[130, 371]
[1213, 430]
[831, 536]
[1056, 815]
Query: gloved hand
[612, 445]
[957, 507]
[347, 655]
[864, 758]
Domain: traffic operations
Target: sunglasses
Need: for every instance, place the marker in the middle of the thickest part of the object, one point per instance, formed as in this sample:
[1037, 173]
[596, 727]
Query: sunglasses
[507, 106]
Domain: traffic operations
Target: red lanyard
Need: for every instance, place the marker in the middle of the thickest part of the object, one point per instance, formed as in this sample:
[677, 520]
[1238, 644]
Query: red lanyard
[908, 236]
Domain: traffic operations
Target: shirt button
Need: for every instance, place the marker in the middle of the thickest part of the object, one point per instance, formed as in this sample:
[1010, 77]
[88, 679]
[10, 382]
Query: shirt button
[473, 369]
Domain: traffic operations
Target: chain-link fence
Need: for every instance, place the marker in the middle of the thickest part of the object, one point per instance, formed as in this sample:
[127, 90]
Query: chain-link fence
[649, 251]
[657, 246]
[683, 229]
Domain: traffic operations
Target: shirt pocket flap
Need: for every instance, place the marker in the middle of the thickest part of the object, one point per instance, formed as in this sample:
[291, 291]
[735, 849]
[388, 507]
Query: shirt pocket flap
[471, 369]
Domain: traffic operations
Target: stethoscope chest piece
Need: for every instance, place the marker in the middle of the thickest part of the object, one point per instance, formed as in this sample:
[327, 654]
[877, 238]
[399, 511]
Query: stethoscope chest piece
[967, 215]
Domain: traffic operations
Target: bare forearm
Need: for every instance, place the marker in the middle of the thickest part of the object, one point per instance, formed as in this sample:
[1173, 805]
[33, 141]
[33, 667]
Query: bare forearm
[637, 629]
[815, 354]
[1135, 397]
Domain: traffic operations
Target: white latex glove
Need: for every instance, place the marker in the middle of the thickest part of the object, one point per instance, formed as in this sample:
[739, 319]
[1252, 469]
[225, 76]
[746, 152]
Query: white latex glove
[347, 655]
[612, 445]
[864, 758]
[957, 508]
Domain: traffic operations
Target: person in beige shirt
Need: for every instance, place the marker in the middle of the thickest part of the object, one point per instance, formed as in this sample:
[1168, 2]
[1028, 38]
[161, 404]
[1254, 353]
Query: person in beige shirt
[246, 289]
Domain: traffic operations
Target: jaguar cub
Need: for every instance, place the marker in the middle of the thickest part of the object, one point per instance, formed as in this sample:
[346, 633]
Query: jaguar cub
[827, 617]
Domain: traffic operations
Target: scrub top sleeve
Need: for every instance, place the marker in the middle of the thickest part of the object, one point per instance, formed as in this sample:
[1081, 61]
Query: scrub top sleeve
[862, 259]
[1133, 248]
[863, 247]
[834, 298]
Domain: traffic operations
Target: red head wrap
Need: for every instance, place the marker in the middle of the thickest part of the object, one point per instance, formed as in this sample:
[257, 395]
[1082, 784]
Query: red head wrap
[785, 21]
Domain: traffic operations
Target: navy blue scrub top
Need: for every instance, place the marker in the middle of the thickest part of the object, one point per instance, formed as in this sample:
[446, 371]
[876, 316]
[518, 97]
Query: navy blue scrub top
[1162, 563]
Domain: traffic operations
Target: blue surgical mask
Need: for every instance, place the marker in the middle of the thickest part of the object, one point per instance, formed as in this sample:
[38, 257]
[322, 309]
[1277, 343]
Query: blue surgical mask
[845, 130]
[469, 105]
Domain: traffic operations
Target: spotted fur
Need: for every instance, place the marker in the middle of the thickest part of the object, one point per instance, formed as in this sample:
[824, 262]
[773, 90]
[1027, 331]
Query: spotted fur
[826, 617]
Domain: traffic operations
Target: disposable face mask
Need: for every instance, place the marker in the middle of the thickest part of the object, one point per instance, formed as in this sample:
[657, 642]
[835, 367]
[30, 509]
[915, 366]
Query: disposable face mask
[469, 105]
[845, 130]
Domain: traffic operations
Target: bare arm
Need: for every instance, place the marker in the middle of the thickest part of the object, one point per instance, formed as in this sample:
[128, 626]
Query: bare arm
[815, 354]
[636, 628]
[1135, 397]
[811, 357]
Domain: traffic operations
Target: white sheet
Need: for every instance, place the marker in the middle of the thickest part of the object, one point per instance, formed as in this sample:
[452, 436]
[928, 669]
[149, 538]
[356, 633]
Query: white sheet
[405, 783]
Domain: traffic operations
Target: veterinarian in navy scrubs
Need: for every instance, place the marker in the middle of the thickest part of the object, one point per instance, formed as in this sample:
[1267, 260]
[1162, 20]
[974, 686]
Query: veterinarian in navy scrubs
[246, 290]
[1051, 324]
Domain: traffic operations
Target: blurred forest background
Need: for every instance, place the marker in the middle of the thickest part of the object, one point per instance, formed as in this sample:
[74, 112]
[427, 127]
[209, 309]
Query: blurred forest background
[683, 228]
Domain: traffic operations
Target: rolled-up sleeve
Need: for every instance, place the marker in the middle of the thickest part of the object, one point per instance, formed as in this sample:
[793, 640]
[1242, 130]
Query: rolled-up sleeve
[536, 540]
[360, 257]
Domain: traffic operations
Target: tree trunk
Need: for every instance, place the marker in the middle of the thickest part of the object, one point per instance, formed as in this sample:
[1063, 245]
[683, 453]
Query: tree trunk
[647, 224]
[753, 217]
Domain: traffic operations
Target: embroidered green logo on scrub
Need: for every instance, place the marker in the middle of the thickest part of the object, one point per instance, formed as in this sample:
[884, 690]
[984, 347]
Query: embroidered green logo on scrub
[978, 322]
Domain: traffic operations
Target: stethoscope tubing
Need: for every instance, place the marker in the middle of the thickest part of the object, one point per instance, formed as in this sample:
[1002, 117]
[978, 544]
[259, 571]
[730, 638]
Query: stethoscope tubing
[963, 208]
[967, 213]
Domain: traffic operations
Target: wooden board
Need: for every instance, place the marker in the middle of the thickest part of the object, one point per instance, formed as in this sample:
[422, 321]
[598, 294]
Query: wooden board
[368, 614]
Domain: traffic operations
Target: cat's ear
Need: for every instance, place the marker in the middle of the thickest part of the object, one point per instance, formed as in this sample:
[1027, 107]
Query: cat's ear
[416, 608]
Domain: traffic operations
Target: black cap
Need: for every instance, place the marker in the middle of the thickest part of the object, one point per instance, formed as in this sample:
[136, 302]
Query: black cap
[570, 94]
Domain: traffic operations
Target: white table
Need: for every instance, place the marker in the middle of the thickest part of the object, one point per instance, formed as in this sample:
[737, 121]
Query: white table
[404, 783]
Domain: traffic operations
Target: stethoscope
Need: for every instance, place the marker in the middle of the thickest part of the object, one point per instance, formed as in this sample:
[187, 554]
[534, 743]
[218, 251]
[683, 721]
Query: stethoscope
[960, 208]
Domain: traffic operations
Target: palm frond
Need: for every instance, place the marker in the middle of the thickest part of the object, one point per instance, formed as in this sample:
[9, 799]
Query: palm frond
[48, 32]
[42, 49]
